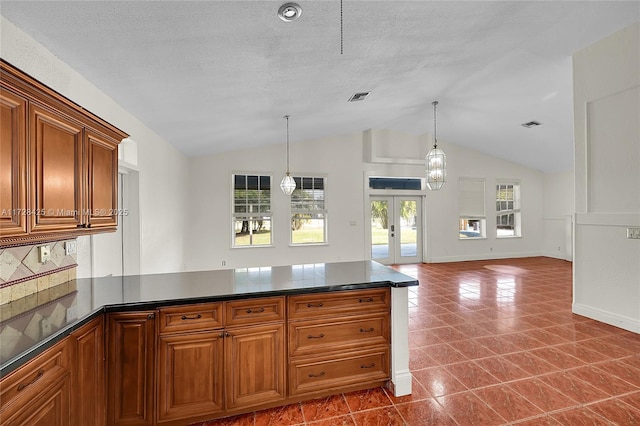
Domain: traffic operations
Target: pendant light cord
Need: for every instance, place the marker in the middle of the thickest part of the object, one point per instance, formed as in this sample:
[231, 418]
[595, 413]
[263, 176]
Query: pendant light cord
[341, 30]
[435, 125]
[287, 118]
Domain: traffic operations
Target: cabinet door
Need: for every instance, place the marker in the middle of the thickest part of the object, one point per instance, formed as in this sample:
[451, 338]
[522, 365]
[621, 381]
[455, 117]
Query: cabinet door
[190, 375]
[102, 172]
[56, 171]
[13, 166]
[130, 363]
[256, 362]
[50, 408]
[88, 382]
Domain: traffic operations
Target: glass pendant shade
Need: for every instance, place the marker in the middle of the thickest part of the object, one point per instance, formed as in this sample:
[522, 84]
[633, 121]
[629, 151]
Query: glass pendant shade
[288, 185]
[436, 168]
[436, 160]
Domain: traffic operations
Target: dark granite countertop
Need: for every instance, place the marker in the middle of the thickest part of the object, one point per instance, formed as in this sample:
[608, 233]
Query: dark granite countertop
[28, 334]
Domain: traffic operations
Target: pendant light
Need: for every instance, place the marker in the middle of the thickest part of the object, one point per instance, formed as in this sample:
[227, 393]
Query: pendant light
[288, 184]
[436, 160]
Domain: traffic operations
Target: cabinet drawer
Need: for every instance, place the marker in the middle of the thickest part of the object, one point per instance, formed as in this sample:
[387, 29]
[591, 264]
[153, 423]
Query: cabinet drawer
[203, 316]
[314, 336]
[254, 311]
[341, 302]
[33, 377]
[309, 375]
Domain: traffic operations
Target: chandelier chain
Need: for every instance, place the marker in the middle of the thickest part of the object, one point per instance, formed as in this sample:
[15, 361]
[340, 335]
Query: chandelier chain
[435, 125]
[341, 30]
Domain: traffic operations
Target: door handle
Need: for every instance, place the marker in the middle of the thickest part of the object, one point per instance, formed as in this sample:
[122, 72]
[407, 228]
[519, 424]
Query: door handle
[393, 228]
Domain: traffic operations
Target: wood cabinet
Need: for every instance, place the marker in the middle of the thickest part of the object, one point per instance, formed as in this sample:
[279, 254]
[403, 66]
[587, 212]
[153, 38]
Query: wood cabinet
[182, 364]
[39, 393]
[217, 358]
[338, 341]
[131, 368]
[190, 362]
[13, 166]
[88, 374]
[59, 164]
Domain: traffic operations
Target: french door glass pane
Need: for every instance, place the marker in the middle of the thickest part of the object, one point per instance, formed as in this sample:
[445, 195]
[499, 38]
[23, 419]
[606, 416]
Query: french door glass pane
[408, 232]
[379, 229]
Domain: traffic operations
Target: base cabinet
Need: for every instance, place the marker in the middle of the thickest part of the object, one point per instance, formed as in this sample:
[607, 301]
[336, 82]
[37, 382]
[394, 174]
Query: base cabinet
[190, 374]
[131, 367]
[256, 365]
[183, 364]
[88, 381]
[39, 393]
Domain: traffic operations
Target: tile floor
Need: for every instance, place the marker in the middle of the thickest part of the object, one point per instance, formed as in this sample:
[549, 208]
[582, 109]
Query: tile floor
[492, 343]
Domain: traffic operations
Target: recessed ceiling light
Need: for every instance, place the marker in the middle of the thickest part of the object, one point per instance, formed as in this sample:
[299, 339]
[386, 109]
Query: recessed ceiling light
[531, 124]
[360, 96]
[289, 12]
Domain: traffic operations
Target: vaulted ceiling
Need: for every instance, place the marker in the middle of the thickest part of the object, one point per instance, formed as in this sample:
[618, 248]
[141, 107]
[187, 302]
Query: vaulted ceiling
[215, 76]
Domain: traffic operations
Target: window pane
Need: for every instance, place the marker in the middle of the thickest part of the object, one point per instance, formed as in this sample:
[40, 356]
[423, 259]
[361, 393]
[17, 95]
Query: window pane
[252, 231]
[307, 228]
[252, 197]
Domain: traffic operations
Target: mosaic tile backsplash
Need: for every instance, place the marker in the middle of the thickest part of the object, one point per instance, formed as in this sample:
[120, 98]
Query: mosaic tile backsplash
[22, 274]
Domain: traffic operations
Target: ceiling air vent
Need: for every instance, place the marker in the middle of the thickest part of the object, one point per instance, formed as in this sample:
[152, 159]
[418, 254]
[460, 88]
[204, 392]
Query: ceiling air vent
[531, 124]
[360, 96]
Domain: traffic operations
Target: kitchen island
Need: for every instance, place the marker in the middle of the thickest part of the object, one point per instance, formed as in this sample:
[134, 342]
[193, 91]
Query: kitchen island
[191, 314]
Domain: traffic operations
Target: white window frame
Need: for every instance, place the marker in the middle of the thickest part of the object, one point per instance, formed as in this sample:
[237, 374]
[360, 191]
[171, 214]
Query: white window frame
[251, 216]
[515, 209]
[297, 209]
[471, 207]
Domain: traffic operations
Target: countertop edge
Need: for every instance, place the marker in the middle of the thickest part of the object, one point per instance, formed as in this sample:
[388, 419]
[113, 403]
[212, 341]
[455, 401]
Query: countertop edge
[13, 364]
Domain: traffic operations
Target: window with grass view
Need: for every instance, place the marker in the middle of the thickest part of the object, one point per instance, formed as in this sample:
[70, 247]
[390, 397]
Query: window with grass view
[308, 211]
[471, 209]
[251, 210]
[508, 210]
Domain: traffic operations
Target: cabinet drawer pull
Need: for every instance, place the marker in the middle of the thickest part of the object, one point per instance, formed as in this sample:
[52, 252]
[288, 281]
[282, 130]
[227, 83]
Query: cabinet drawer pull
[368, 330]
[257, 311]
[22, 386]
[315, 305]
[365, 300]
[373, 364]
[320, 374]
[184, 317]
[320, 336]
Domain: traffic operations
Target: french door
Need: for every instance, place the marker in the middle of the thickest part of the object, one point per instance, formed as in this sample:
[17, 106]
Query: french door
[396, 229]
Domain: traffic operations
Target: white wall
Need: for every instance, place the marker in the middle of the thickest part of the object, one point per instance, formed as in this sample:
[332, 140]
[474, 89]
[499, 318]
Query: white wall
[607, 179]
[341, 159]
[558, 215]
[163, 169]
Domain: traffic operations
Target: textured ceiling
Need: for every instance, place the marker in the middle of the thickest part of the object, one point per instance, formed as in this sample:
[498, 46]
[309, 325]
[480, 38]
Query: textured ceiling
[214, 76]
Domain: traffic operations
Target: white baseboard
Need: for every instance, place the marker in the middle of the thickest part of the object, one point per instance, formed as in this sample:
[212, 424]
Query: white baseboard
[488, 256]
[401, 383]
[556, 255]
[626, 323]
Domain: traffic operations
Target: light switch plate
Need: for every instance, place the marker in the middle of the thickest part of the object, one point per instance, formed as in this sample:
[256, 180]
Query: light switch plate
[45, 253]
[70, 247]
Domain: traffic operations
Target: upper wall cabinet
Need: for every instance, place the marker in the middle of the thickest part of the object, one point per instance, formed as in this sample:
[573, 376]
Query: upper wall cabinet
[59, 175]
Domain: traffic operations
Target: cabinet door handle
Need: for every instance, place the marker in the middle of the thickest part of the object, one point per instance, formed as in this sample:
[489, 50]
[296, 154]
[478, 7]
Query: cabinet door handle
[151, 316]
[315, 305]
[320, 374]
[221, 335]
[184, 317]
[257, 311]
[22, 386]
[373, 364]
[227, 334]
[320, 336]
[368, 330]
[366, 300]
